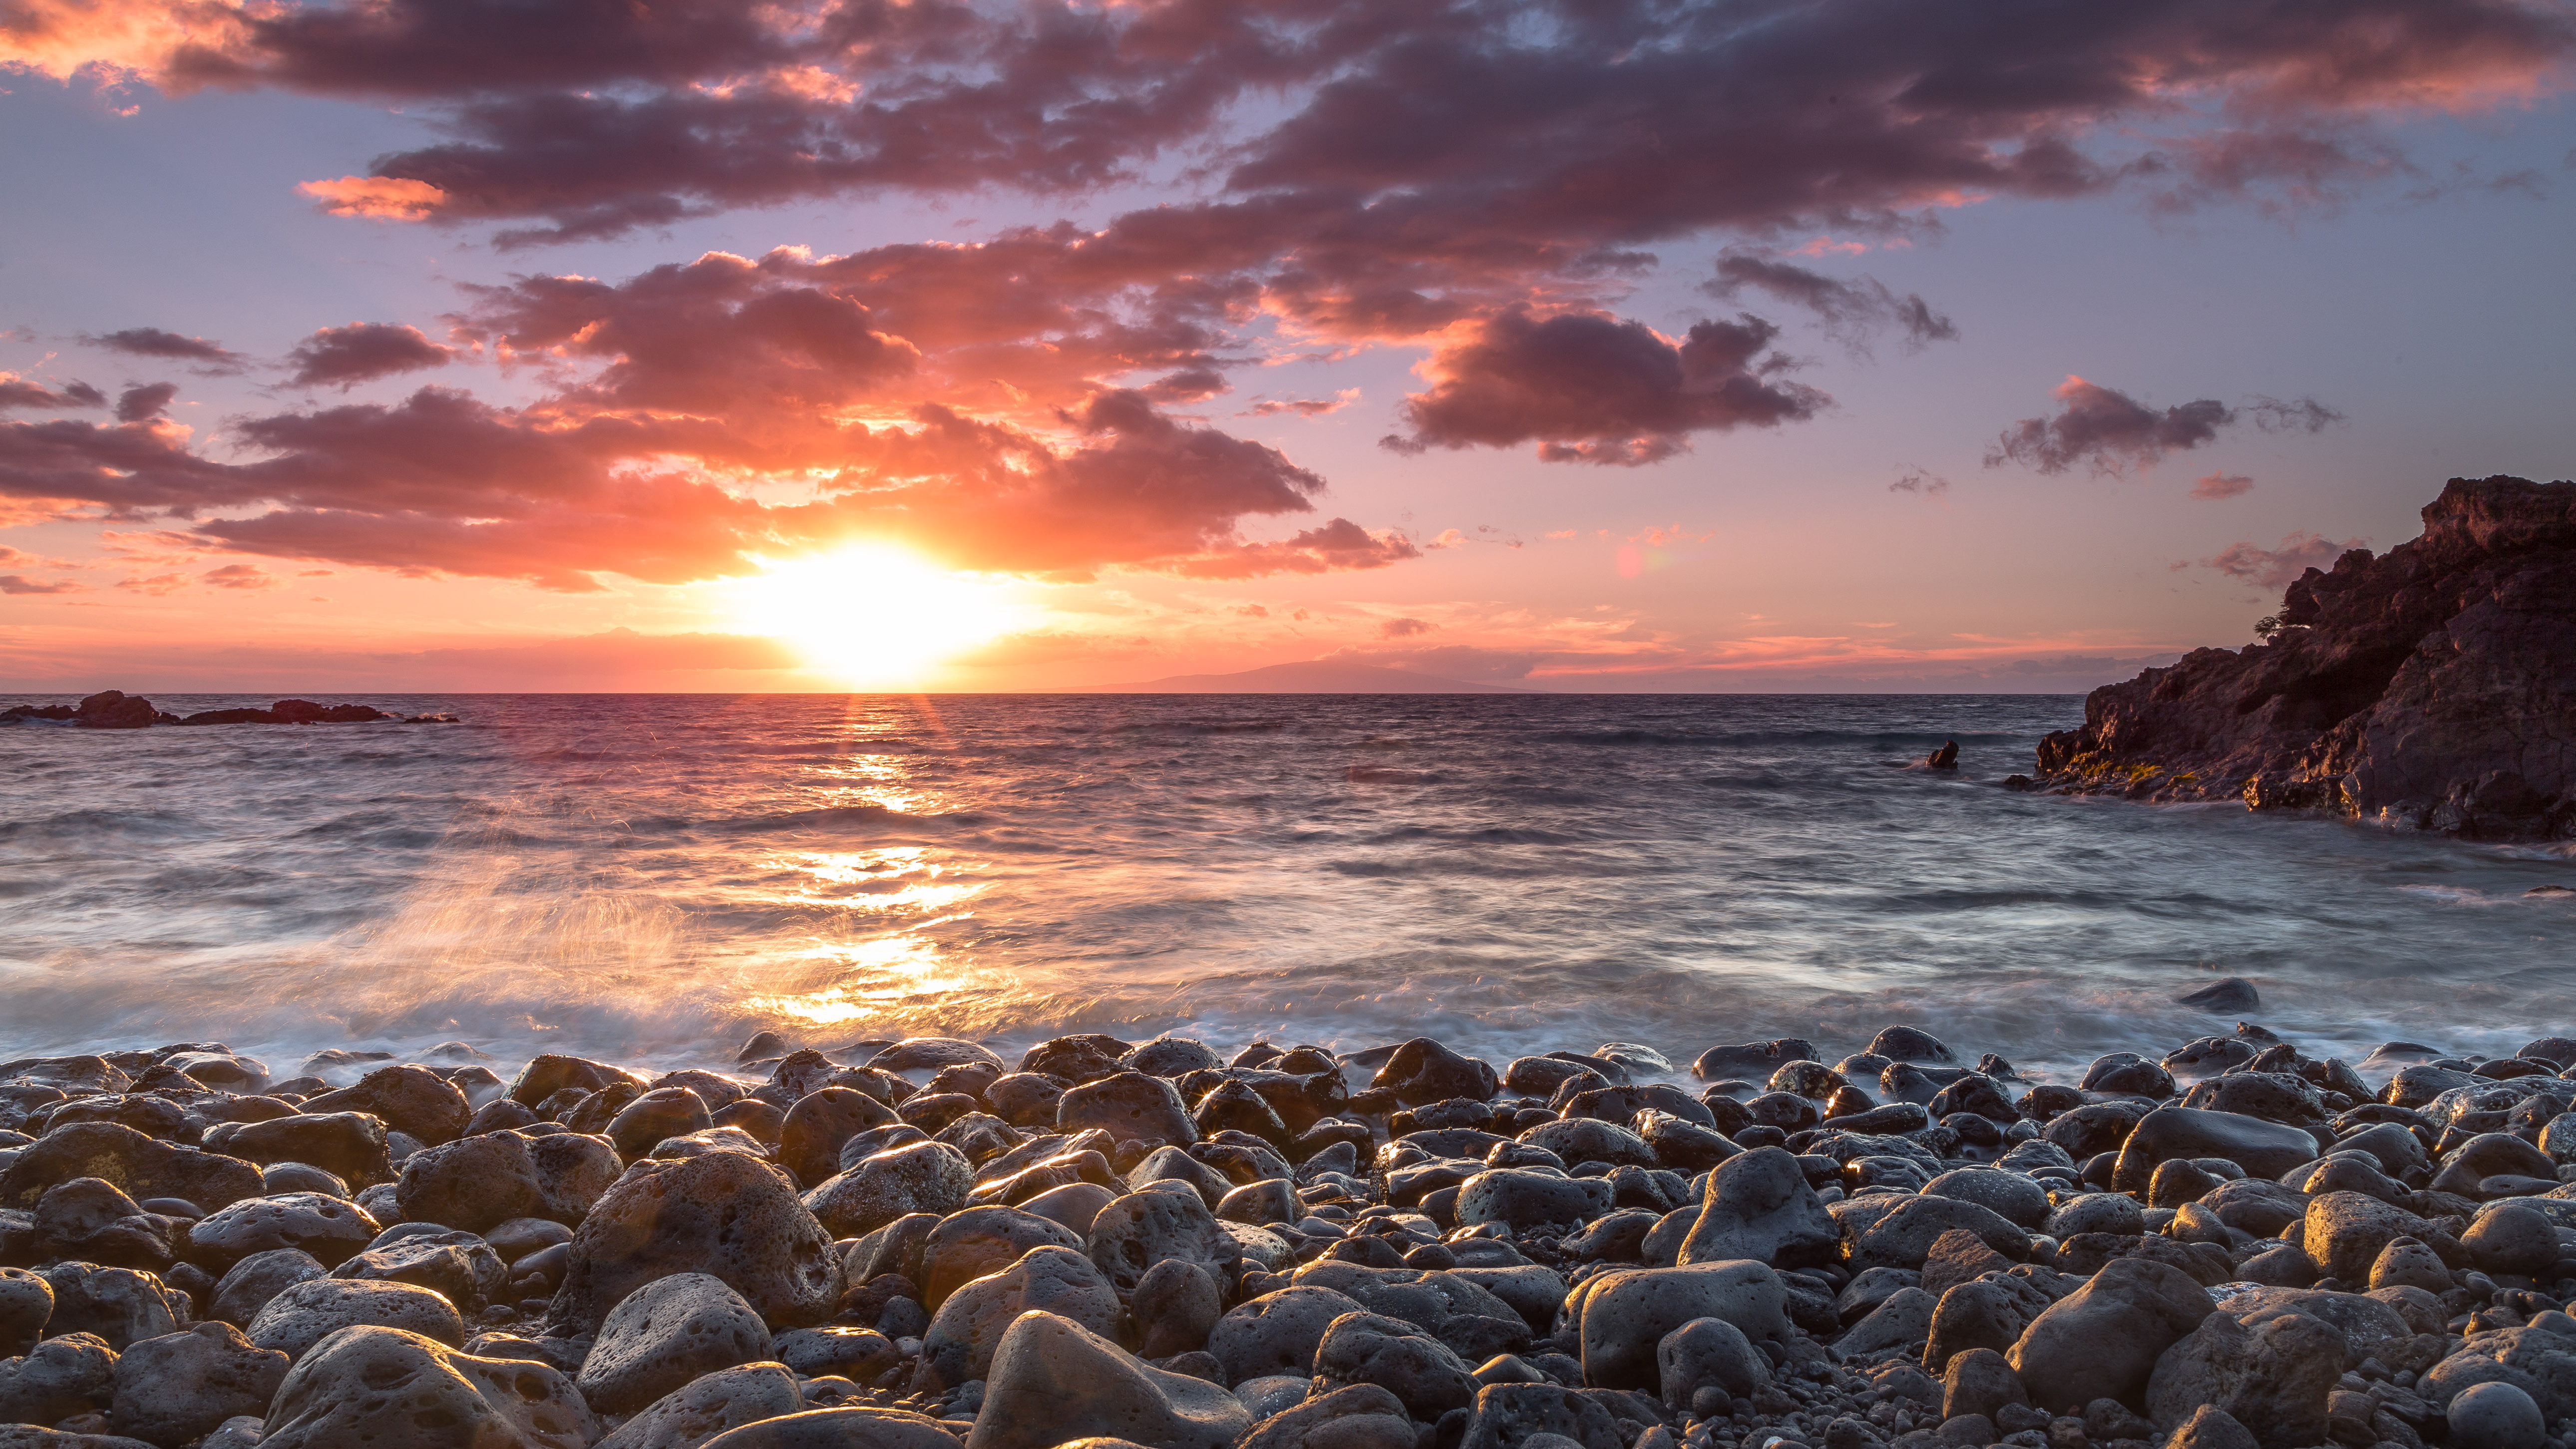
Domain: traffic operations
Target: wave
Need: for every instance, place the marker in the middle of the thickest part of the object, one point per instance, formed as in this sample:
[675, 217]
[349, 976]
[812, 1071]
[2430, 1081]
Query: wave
[92, 826]
[1895, 739]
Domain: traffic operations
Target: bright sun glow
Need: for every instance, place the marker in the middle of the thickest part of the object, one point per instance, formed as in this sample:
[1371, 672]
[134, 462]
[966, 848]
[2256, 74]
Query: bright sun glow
[871, 614]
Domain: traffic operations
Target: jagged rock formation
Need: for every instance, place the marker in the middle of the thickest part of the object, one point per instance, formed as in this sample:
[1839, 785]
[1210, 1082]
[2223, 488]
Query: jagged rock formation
[2432, 688]
[115, 710]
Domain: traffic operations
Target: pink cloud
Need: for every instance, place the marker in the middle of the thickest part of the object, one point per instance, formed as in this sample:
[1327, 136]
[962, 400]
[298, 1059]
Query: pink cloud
[343, 357]
[2215, 486]
[2273, 568]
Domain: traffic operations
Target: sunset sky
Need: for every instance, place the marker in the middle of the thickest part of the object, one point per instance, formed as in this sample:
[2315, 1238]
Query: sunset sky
[691, 345]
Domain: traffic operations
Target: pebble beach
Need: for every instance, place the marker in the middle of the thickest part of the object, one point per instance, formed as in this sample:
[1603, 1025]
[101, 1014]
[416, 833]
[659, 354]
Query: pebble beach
[2221, 1243]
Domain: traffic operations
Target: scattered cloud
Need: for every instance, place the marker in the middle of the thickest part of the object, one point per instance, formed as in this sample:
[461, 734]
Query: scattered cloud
[1854, 313]
[170, 347]
[1920, 481]
[2111, 432]
[1404, 628]
[246, 577]
[143, 404]
[1305, 407]
[19, 392]
[2215, 486]
[21, 584]
[2273, 568]
[343, 357]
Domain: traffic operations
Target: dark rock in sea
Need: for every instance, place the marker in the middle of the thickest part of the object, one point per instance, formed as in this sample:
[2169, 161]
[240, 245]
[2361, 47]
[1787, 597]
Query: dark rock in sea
[2426, 689]
[113, 710]
[2228, 993]
[1944, 758]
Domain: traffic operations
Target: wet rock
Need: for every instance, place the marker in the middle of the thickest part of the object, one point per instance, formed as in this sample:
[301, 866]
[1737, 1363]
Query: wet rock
[2102, 1341]
[723, 1214]
[548, 1073]
[349, 1145]
[285, 1177]
[1705, 1352]
[1623, 1315]
[1083, 1057]
[180, 1387]
[841, 1428]
[62, 1376]
[1053, 1380]
[962, 1338]
[688, 1416]
[2272, 1378]
[1422, 1071]
[1400, 1357]
[384, 1387]
[2016, 1199]
[248, 1285]
[2096, 1212]
[1025, 1099]
[1276, 1333]
[414, 1101]
[472, 1184]
[2534, 1360]
[1758, 1205]
[139, 1166]
[2263, 1149]
[1903, 1236]
[933, 1053]
[88, 1219]
[1176, 1304]
[1524, 1201]
[2210, 1428]
[665, 1334]
[1133, 1233]
[1359, 1416]
[853, 1353]
[2345, 1232]
[26, 1301]
[1588, 1139]
[811, 1137]
[1130, 1107]
[330, 1229]
[2255, 1206]
[304, 1314]
[2494, 1416]
[641, 1125]
[1989, 1313]
[123, 1306]
[2510, 1238]
[459, 1267]
[976, 1241]
[1901, 1320]
[1076, 1205]
[920, 1177]
[1171, 1164]
[1529, 1416]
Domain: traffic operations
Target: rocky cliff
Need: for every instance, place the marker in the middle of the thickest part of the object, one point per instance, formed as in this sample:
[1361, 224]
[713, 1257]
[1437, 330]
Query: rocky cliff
[2430, 688]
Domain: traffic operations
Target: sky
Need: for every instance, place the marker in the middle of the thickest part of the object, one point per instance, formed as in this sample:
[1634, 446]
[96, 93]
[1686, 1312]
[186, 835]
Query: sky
[461, 345]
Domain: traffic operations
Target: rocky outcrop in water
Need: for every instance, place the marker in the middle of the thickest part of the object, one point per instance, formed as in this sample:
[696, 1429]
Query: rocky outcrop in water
[2430, 688]
[116, 710]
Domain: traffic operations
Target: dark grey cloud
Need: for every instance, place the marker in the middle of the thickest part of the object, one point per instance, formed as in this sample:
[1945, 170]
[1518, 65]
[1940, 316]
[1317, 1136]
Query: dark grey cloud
[1854, 313]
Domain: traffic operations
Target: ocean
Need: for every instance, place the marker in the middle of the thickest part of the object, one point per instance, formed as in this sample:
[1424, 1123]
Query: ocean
[652, 878]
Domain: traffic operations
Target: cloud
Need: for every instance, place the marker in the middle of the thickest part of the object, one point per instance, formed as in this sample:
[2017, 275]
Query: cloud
[246, 577]
[2303, 415]
[2110, 431]
[343, 357]
[375, 198]
[18, 392]
[2215, 486]
[2273, 568]
[169, 346]
[1305, 407]
[21, 584]
[142, 404]
[1590, 387]
[1407, 628]
[1338, 545]
[1921, 481]
[1853, 312]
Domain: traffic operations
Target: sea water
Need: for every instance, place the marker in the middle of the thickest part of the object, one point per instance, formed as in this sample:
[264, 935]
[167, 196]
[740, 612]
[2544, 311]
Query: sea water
[652, 878]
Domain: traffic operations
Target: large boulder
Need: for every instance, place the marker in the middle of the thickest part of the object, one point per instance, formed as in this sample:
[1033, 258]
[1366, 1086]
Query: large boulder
[180, 1387]
[1053, 1380]
[1903, 1236]
[1404, 1359]
[1358, 1416]
[328, 1228]
[706, 1406]
[248, 1285]
[1422, 1071]
[26, 1301]
[1133, 1233]
[1622, 1316]
[350, 1145]
[1130, 1107]
[850, 1428]
[963, 1335]
[1522, 1200]
[2272, 1378]
[2534, 1360]
[979, 1240]
[2102, 1341]
[1277, 1332]
[2345, 1232]
[665, 1334]
[1507, 1416]
[2263, 1149]
[141, 1167]
[62, 1376]
[473, 1184]
[412, 1100]
[1758, 1205]
[388, 1389]
[809, 1141]
[918, 1177]
[304, 1314]
[725, 1214]
[121, 1305]
[458, 1267]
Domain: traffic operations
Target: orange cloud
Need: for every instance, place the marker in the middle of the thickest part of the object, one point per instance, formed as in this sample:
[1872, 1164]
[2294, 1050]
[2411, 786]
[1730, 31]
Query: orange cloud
[381, 198]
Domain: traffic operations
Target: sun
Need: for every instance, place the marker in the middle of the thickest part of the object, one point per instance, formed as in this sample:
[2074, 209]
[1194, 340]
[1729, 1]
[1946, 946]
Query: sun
[869, 613]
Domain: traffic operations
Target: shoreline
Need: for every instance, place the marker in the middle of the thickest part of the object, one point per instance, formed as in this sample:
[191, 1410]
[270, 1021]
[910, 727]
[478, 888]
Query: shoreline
[1915, 1246]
